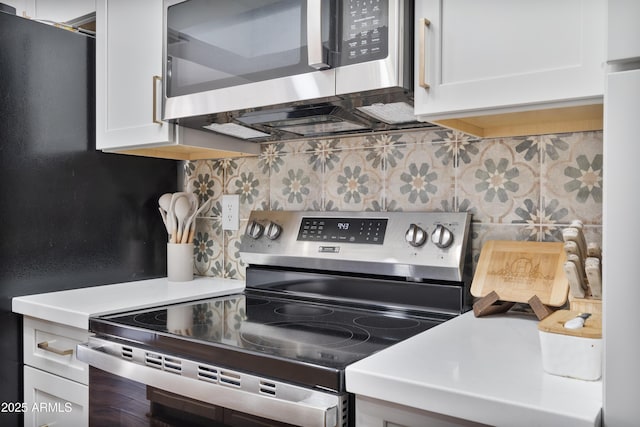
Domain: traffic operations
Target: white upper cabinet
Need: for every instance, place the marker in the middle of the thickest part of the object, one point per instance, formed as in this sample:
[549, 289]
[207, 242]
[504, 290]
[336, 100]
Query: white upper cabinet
[128, 74]
[129, 89]
[624, 31]
[485, 60]
[53, 10]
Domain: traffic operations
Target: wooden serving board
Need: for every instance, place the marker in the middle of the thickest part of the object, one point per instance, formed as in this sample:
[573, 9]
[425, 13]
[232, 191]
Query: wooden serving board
[517, 271]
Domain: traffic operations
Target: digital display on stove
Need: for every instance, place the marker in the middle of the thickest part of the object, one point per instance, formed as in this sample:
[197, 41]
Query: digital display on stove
[343, 230]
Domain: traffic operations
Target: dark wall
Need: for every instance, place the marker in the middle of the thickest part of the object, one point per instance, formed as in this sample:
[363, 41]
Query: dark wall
[70, 216]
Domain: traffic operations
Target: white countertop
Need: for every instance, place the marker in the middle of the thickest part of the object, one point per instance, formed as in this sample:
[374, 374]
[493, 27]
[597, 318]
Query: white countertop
[487, 370]
[74, 307]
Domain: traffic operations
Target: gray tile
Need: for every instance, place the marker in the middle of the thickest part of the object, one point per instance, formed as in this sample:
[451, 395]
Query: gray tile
[572, 176]
[208, 247]
[296, 186]
[419, 181]
[498, 181]
[353, 184]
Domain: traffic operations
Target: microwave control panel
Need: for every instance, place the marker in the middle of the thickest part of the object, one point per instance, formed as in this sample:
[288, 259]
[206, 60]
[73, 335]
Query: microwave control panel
[365, 31]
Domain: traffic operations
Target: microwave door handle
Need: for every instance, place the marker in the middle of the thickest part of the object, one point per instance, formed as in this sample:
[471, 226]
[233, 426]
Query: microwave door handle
[314, 35]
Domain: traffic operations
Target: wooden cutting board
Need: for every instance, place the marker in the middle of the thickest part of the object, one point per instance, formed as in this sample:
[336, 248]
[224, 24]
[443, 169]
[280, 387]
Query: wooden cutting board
[555, 324]
[517, 271]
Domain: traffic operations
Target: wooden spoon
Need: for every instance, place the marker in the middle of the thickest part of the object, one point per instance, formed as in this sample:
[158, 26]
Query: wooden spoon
[193, 199]
[171, 217]
[182, 210]
[192, 228]
[164, 202]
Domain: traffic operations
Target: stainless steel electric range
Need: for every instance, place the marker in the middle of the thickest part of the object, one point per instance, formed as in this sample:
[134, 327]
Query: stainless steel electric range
[323, 290]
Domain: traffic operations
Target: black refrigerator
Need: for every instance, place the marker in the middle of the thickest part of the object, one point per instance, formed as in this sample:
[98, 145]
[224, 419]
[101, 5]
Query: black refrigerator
[70, 216]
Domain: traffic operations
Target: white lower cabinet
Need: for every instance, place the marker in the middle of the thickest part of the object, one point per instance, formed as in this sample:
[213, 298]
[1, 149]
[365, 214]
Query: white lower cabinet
[378, 413]
[56, 383]
[52, 400]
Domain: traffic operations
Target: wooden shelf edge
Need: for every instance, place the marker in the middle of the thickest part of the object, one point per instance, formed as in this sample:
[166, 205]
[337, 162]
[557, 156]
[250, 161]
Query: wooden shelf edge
[580, 118]
[182, 152]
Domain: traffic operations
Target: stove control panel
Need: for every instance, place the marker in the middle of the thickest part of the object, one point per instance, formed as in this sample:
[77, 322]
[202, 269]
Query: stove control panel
[418, 245]
[345, 230]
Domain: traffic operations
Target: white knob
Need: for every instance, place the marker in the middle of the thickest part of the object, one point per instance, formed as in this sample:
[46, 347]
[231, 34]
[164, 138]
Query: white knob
[273, 231]
[415, 235]
[442, 236]
[254, 230]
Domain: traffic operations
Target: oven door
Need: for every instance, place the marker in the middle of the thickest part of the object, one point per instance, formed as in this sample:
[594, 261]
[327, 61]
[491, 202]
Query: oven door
[224, 388]
[231, 55]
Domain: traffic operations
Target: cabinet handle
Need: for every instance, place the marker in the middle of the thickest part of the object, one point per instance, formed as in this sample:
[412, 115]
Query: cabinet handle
[156, 79]
[45, 346]
[422, 66]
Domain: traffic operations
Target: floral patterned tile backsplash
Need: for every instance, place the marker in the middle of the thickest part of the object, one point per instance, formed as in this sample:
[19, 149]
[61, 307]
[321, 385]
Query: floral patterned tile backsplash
[520, 188]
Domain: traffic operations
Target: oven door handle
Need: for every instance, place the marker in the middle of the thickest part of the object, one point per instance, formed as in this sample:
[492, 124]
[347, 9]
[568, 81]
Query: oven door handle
[313, 408]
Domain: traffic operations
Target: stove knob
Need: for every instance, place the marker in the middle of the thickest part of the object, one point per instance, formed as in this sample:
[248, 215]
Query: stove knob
[273, 231]
[254, 230]
[442, 236]
[415, 235]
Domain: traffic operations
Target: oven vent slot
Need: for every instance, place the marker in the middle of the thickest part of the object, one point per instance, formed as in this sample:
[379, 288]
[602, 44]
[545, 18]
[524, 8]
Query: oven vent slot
[127, 353]
[345, 411]
[154, 360]
[267, 387]
[206, 373]
[172, 365]
[230, 378]
[164, 363]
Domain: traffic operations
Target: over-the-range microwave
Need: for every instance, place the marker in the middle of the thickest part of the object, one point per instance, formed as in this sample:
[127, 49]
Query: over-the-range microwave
[279, 69]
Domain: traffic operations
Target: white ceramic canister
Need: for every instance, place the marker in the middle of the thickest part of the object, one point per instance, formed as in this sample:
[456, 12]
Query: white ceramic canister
[179, 262]
[574, 353]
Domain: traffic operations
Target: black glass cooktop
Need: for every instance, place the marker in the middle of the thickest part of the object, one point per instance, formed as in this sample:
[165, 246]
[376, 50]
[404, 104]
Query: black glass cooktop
[260, 332]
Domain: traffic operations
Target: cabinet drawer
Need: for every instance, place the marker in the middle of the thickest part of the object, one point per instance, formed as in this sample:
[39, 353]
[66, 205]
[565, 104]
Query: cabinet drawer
[52, 348]
[52, 400]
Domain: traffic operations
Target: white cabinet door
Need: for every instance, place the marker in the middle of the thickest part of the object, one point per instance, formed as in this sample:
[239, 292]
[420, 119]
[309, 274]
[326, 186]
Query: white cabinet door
[497, 56]
[128, 74]
[52, 400]
[620, 212]
[58, 11]
[377, 413]
[52, 347]
[624, 31]
[53, 10]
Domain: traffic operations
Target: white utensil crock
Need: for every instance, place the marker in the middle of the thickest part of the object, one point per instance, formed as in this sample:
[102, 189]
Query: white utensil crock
[179, 262]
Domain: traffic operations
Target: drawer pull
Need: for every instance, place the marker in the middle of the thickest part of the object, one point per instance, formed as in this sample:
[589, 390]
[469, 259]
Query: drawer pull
[45, 346]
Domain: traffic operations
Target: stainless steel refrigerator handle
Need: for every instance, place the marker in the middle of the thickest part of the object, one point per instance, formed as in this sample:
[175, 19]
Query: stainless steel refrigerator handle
[314, 35]
[309, 408]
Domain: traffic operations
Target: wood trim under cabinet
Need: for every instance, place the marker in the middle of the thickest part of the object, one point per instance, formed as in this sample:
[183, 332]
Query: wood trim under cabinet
[536, 122]
[183, 152]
